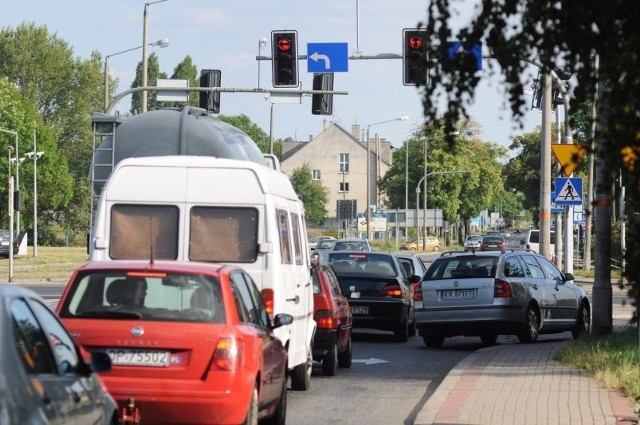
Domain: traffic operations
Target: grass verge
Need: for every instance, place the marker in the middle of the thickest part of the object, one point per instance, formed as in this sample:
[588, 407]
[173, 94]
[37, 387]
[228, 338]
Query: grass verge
[614, 360]
[50, 263]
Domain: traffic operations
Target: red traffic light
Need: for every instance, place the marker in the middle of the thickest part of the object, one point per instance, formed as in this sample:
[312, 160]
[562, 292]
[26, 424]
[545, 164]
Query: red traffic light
[415, 42]
[284, 44]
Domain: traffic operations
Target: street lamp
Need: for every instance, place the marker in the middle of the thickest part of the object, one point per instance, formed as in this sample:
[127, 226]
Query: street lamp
[368, 214]
[424, 215]
[261, 45]
[11, 206]
[161, 43]
[34, 156]
[144, 53]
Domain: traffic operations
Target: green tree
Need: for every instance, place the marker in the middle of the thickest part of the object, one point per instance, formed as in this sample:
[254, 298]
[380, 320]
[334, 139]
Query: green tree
[187, 70]
[153, 74]
[245, 124]
[312, 194]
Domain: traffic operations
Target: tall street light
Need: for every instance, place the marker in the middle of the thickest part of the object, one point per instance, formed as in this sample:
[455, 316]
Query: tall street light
[261, 45]
[368, 215]
[15, 133]
[160, 43]
[144, 52]
[424, 206]
[424, 214]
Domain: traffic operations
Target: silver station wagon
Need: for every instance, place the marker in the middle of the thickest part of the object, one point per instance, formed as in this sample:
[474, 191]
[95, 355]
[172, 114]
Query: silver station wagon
[493, 293]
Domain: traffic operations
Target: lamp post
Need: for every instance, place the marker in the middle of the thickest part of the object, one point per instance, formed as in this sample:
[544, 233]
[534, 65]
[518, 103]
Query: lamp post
[34, 156]
[144, 52]
[261, 45]
[368, 206]
[161, 43]
[15, 133]
[424, 214]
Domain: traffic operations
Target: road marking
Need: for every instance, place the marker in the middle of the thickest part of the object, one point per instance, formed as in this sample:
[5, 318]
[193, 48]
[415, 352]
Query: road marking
[370, 360]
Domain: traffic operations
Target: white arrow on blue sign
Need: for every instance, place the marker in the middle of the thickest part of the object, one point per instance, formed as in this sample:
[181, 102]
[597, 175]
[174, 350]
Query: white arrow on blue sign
[568, 191]
[456, 48]
[327, 57]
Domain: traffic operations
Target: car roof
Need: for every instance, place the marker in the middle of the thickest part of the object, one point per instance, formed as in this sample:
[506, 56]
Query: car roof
[165, 265]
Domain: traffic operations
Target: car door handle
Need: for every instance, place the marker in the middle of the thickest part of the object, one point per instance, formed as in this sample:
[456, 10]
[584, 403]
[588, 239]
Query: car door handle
[295, 299]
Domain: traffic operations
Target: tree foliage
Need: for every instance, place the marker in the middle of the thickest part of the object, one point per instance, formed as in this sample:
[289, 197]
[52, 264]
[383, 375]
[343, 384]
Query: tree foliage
[153, 74]
[312, 194]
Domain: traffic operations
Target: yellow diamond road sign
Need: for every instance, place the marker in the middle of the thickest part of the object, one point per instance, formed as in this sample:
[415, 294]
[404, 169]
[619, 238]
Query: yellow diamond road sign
[568, 156]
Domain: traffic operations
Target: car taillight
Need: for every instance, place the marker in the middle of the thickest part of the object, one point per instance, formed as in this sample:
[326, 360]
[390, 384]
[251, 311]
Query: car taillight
[267, 298]
[417, 291]
[324, 319]
[502, 246]
[394, 291]
[484, 244]
[228, 354]
[501, 289]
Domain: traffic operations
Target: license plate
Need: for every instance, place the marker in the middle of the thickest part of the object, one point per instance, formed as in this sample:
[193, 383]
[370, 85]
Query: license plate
[360, 309]
[126, 357]
[457, 294]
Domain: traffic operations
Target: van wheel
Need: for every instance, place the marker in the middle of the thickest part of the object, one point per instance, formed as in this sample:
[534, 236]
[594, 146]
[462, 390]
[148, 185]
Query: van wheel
[301, 375]
[252, 413]
[330, 361]
[344, 358]
[530, 327]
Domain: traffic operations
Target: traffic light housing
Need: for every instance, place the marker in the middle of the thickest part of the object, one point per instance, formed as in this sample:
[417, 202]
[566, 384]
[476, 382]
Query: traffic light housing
[414, 57]
[284, 58]
[210, 100]
[322, 104]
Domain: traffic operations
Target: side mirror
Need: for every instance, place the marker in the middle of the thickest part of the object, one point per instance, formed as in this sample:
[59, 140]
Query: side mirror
[523, 242]
[568, 276]
[282, 319]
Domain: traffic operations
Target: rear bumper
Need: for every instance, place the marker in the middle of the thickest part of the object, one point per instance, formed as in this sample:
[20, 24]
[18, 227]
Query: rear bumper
[383, 315]
[505, 320]
[166, 401]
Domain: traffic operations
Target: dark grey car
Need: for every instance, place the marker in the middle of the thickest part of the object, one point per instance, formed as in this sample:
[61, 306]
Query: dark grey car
[43, 377]
[488, 294]
[6, 241]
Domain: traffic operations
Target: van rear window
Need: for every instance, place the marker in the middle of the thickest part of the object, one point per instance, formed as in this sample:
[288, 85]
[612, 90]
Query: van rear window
[136, 230]
[223, 234]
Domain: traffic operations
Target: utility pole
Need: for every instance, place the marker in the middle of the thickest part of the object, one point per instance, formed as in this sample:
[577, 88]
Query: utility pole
[545, 168]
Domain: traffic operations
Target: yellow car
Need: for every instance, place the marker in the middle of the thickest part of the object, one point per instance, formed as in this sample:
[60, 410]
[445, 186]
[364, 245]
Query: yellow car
[413, 244]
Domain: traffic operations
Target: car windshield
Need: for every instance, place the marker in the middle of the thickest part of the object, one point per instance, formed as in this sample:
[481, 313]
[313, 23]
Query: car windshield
[156, 296]
[462, 267]
[350, 246]
[472, 239]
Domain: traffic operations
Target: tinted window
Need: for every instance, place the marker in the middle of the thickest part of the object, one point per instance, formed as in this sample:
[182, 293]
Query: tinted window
[534, 268]
[513, 267]
[296, 235]
[379, 264]
[283, 228]
[462, 267]
[31, 341]
[221, 234]
[62, 344]
[136, 230]
[551, 270]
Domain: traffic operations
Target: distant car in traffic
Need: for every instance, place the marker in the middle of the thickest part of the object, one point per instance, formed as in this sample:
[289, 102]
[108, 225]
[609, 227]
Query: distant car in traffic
[313, 242]
[487, 294]
[493, 243]
[332, 343]
[6, 241]
[414, 266]
[379, 291]
[194, 335]
[351, 244]
[44, 378]
[415, 244]
[472, 242]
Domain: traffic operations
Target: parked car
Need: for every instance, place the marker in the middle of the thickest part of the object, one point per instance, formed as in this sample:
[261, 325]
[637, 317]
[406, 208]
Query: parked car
[378, 289]
[415, 244]
[472, 242]
[194, 335]
[487, 294]
[313, 242]
[351, 244]
[43, 375]
[332, 313]
[493, 243]
[5, 242]
[413, 265]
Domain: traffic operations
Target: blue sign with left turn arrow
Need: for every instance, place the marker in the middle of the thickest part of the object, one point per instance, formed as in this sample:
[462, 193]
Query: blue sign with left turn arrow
[327, 57]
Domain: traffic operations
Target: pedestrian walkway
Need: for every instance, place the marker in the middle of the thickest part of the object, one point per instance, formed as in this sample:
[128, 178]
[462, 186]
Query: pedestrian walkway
[521, 384]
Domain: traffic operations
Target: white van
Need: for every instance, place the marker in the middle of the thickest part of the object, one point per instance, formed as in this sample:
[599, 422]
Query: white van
[532, 242]
[201, 208]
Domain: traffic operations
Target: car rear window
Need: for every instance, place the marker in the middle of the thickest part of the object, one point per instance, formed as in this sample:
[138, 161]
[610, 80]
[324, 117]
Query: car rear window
[493, 239]
[359, 263]
[462, 267]
[157, 296]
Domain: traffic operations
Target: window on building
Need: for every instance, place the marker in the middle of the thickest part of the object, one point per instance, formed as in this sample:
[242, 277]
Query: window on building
[344, 187]
[316, 175]
[344, 163]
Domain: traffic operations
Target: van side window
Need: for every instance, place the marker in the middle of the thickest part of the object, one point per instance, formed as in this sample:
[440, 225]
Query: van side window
[285, 244]
[296, 234]
[223, 234]
[137, 229]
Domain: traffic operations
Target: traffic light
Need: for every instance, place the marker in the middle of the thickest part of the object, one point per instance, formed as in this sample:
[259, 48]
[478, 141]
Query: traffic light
[414, 57]
[210, 100]
[322, 104]
[284, 58]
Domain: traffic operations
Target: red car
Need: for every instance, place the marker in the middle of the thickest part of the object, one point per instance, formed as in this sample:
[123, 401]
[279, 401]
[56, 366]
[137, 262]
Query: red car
[189, 342]
[332, 313]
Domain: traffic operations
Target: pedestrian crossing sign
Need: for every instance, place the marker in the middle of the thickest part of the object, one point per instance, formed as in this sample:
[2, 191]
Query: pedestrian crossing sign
[568, 191]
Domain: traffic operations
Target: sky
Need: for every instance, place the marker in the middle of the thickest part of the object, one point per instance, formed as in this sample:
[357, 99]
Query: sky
[226, 34]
